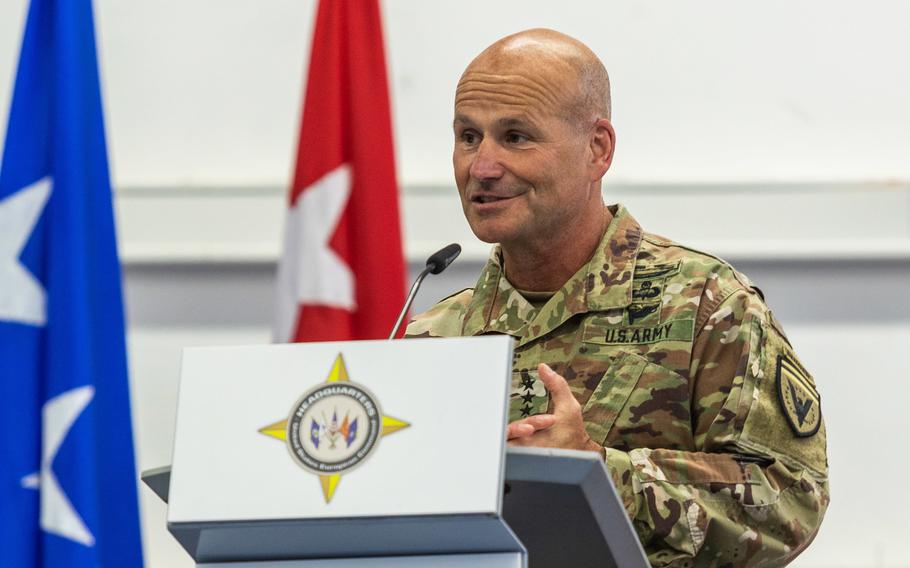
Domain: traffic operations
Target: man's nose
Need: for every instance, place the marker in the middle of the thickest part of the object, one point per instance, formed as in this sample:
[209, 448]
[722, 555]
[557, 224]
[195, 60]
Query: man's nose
[486, 163]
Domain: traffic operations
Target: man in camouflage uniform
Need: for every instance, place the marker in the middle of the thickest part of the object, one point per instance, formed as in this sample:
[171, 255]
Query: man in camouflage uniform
[662, 358]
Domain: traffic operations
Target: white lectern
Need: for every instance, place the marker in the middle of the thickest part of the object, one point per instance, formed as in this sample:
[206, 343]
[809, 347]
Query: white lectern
[376, 453]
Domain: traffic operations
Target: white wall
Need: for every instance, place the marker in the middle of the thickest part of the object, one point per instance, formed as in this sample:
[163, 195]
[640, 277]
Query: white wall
[207, 92]
[775, 133]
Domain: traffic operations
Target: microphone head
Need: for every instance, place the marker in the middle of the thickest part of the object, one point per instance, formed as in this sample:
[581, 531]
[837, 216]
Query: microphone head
[441, 259]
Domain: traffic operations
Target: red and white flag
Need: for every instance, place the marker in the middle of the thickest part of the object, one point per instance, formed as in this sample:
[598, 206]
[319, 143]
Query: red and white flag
[342, 274]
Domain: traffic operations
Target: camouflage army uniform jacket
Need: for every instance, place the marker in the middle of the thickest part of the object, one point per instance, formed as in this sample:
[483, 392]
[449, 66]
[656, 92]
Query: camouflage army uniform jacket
[712, 427]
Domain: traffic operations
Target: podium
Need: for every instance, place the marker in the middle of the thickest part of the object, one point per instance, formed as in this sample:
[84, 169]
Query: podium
[442, 491]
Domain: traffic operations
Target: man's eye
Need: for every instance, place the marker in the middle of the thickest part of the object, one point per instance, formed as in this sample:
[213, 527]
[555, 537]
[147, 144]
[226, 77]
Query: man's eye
[469, 137]
[516, 138]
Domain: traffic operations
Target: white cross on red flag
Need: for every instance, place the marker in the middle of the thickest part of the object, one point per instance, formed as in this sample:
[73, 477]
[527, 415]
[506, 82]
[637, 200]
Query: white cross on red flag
[342, 273]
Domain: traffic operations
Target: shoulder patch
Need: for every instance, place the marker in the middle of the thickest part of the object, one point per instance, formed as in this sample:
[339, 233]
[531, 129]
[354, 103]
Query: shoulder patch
[798, 397]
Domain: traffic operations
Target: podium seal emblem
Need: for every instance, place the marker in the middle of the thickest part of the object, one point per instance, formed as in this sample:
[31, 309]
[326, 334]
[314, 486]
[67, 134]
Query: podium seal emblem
[333, 428]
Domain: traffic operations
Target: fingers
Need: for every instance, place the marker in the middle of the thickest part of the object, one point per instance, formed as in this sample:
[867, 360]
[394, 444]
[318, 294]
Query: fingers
[516, 431]
[540, 421]
[529, 425]
[557, 386]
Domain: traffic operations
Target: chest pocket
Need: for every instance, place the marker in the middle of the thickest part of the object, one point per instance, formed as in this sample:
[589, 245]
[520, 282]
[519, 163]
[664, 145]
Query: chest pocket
[639, 404]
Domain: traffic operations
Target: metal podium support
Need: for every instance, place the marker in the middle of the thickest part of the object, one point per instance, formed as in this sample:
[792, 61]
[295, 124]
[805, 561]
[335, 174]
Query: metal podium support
[573, 493]
[502, 560]
[560, 504]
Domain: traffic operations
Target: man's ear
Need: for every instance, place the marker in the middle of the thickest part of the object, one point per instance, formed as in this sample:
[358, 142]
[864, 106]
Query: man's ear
[602, 144]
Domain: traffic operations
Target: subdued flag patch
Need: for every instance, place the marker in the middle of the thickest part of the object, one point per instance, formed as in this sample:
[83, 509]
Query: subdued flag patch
[798, 396]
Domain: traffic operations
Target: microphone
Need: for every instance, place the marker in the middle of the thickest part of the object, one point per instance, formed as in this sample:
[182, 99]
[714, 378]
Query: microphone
[438, 261]
[441, 259]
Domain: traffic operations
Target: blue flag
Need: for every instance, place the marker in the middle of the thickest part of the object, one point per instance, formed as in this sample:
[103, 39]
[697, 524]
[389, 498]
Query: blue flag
[67, 473]
[314, 433]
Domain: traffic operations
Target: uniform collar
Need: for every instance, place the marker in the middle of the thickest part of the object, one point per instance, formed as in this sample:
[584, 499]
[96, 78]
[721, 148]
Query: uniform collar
[604, 283]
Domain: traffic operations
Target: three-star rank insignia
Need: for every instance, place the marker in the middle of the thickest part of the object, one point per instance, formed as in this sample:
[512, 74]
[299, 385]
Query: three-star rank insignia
[798, 397]
[333, 428]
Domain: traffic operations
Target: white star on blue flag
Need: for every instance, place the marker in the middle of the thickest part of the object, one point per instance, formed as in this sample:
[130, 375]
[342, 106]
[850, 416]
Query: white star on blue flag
[68, 481]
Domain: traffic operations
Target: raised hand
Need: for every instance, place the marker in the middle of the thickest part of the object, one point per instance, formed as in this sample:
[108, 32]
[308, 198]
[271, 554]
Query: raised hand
[564, 428]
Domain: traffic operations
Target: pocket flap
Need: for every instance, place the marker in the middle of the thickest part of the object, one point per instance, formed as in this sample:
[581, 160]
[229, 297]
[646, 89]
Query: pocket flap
[611, 395]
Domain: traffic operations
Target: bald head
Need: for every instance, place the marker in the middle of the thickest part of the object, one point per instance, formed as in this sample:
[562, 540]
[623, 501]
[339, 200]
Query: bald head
[570, 76]
[533, 140]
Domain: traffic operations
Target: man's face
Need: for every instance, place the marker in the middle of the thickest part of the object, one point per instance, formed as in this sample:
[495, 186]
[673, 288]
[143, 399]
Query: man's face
[520, 165]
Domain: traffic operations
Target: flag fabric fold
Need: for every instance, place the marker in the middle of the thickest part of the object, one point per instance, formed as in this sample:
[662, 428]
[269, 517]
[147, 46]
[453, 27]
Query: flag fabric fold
[67, 472]
[342, 273]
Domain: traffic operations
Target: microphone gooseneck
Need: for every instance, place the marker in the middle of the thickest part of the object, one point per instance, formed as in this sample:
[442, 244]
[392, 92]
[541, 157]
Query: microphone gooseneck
[438, 261]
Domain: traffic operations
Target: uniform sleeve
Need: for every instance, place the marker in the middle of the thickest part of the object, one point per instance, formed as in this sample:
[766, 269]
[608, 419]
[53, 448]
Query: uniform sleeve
[443, 319]
[756, 489]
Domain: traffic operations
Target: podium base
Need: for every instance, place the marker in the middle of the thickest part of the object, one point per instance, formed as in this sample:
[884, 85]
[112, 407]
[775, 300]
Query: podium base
[495, 560]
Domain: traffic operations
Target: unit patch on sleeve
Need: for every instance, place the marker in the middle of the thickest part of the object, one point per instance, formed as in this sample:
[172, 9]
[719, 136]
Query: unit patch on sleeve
[798, 397]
